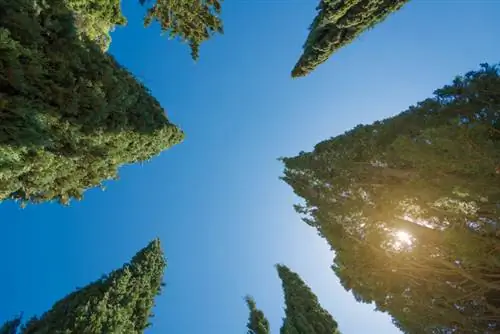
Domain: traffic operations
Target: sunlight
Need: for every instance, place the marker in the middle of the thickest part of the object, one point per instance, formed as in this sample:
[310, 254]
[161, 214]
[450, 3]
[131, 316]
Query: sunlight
[404, 237]
[403, 240]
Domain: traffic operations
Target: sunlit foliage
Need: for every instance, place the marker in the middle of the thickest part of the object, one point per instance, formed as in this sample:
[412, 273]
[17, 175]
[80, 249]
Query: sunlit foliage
[70, 115]
[338, 23]
[95, 19]
[192, 21]
[120, 302]
[257, 321]
[411, 206]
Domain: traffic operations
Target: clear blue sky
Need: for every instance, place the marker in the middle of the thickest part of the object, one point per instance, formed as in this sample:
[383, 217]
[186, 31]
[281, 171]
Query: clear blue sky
[215, 200]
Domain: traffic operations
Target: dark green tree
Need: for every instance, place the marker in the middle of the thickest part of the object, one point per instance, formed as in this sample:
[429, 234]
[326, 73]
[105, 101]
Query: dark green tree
[192, 21]
[11, 326]
[120, 302]
[303, 313]
[70, 114]
[257, 321]
[411, 206]
[338, 23]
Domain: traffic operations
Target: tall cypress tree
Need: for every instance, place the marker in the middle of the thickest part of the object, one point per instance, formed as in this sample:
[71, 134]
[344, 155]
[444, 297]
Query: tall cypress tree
[11, 326]
[257, 321]
[120, 302]
[71, 115]
[411, 206]
[338, 23]
[303, 313]
[192, 21]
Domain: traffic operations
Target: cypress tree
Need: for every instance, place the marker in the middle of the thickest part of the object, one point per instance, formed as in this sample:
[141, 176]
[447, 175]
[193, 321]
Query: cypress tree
[257, 321]
[71, 115]
[338, 23]
[192, 21]
[11, 326]
[304, 314]
[120, 302]
[411, 206]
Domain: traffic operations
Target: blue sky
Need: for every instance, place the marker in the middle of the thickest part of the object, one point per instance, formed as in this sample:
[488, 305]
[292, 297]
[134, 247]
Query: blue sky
[215, 200]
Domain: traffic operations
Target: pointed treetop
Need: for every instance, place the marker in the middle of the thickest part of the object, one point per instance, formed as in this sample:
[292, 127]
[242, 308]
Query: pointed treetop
[303, 313]
[257, 321]
[11, 326]
[120, 302]
[337, 24]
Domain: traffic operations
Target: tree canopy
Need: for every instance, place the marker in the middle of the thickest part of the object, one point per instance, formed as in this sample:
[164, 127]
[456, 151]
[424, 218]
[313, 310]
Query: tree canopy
[338, 23]
[11, 326]
[95, 19]
[303, 312]
[120, 302]
[192, 21]
[71, 115]
[411, 206]
[257, 321]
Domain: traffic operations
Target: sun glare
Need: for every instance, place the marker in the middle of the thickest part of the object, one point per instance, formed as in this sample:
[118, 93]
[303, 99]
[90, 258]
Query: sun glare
[402, 240]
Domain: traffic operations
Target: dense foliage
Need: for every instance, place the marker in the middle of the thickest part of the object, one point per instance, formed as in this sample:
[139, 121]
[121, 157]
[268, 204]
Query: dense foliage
[411, 206]
[120, 302]
[95, 19]
[11, 326]
[257, 321]
[337, 23]
[70, 115]
[303, 313]
[192, 21]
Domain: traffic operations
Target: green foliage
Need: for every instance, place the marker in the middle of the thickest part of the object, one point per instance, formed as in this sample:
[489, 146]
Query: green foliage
[118, 303]
[70, 115]
[257, 321]
[304, 314]
[11, 326]
[95, 19]
[337, 24]
[192, 21]
[411, 206]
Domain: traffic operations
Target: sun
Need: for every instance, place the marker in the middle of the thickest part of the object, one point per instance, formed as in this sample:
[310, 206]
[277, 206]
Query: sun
[402, 240]
[404, 237]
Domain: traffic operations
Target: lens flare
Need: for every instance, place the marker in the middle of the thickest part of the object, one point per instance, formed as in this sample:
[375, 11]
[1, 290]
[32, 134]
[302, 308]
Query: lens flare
[402, 240]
